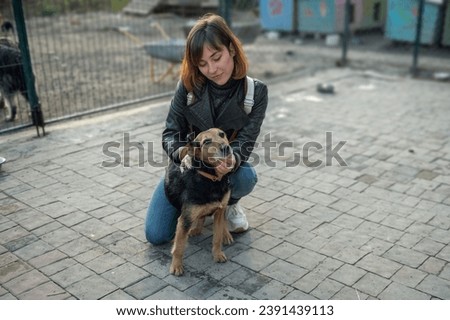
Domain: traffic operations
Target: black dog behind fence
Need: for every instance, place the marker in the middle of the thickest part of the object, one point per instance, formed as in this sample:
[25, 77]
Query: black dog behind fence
[12, 80]
[12, 76]
[16, 74]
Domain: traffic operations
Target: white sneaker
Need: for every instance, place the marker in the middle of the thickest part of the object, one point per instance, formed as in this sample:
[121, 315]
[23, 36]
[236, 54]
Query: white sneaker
[237, 221]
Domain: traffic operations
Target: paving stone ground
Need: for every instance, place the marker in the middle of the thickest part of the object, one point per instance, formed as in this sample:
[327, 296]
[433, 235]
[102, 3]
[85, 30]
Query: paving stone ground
[373, 225]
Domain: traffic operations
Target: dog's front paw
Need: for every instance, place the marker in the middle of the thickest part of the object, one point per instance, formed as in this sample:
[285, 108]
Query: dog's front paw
[227, 238]
[176, 269]
[220, 257]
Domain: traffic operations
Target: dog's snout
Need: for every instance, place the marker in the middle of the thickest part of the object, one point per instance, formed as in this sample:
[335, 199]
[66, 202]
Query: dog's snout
[225, 149]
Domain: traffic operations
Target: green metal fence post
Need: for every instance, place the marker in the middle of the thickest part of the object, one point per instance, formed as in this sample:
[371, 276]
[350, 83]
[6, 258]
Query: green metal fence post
[414, 69]
[346, 34]
[225, 10]
[36, 112]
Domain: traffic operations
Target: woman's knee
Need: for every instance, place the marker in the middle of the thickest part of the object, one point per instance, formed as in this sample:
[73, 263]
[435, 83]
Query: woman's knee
[156, 238]
[158, 231]
[243, 181]
[161, 218]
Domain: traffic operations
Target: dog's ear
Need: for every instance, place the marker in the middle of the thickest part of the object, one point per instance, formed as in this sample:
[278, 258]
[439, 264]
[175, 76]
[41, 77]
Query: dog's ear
[194, 144]
[191, 142]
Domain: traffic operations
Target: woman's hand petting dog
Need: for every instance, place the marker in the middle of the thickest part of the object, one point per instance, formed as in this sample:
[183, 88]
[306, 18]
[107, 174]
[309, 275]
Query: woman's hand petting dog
[226, 166]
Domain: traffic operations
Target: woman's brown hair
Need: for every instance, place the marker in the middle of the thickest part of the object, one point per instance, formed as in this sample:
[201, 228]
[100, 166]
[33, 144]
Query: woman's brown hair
[212, 30]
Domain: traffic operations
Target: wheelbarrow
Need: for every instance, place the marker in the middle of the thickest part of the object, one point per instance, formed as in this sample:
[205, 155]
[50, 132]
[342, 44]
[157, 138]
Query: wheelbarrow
[169, 49]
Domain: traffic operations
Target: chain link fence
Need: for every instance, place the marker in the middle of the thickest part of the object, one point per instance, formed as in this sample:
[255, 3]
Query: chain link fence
[88, 56]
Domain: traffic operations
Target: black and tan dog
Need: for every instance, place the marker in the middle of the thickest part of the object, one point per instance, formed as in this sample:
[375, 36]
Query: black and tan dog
[197, 191]
[12, 77]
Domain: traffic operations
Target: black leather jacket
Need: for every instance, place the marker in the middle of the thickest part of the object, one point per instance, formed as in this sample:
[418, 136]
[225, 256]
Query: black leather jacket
[183, 118]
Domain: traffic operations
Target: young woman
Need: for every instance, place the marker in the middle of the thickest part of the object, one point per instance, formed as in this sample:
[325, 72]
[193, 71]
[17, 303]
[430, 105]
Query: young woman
[211, 94]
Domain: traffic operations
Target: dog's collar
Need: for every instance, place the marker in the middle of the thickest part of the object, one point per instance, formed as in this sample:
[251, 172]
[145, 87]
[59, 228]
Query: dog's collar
[210, 176]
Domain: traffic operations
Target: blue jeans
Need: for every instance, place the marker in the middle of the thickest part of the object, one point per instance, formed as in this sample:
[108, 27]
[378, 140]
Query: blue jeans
[162, 217]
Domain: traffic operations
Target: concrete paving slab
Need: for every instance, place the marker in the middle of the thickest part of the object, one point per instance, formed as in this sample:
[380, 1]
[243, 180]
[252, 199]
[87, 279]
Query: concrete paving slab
[376, 227]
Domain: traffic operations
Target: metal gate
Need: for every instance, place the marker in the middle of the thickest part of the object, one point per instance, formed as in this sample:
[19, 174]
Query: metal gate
[89, 56]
